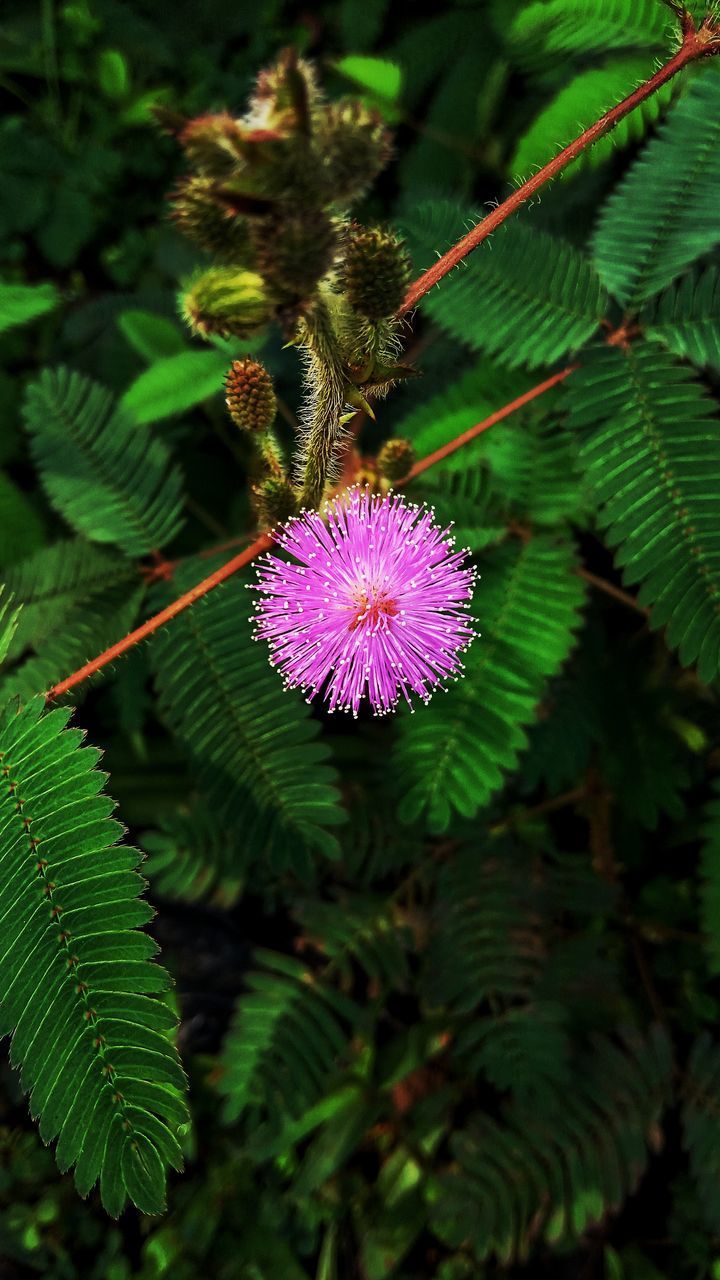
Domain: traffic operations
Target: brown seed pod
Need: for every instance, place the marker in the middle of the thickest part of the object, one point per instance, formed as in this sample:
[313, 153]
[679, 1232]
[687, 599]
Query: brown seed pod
[250, 396]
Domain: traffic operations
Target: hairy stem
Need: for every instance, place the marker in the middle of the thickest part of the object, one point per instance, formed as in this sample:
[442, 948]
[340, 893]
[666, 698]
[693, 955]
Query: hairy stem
[326, 381]
[697, 43]
[453, 445]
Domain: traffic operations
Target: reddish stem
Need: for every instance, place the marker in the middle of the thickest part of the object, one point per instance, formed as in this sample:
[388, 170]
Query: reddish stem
[446, 449]
[696, 44]
[166, 615]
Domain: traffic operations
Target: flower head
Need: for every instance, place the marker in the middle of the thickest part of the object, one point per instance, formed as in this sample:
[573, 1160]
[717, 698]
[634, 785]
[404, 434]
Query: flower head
[372, 603]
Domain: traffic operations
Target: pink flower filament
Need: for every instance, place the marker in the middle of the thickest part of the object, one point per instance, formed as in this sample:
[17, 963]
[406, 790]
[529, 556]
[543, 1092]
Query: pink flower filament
[372, 603]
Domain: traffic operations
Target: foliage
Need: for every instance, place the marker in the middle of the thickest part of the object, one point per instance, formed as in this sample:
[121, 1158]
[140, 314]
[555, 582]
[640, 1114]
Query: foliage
[444, 981]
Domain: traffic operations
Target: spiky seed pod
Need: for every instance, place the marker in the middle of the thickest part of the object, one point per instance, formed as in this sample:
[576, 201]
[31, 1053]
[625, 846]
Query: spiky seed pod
[294, 251]
[376, 271]
[276, 501]
[208, 222]
[227, 300]
[395, 459]
[211, 143]
[250, 395]
[355, 146]
[285, 94]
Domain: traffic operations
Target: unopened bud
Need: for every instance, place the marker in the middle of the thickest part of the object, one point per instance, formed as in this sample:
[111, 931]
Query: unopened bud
[207, 220]
[211, 143]
[294, 252]
[355, 146]
[376, 271]
[395, 459]
[276, 501]
[227, 300]
[250, 396]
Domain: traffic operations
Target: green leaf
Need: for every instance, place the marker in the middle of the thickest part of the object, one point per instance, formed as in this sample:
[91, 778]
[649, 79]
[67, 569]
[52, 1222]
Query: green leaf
[22, 527]
[113, 74]
[686, 319]
[555, 1169]
[665, 212]
[21, 303]
[454, 757]
[375, 76]
[259, 763]
[286, 1035]
[9, 617]
[651, 450]
[153, 337]
[549, 30]
[175, 384]
[72, 965]
[523, 297]
[110, 481]
[580, 103]
[701, 1126]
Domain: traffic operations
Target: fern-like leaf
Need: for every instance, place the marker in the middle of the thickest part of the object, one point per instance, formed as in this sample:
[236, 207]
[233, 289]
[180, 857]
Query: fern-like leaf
[286, 1037]
[651, 449]
[21, 303]
[253, 744]
[484, 943]
[76, 986]
[701, 1125]
[550, 30]
[555, 1168]
[454, 757]
[523, 296]
[582, 101]
[54, 580]
[664, 214]
[686, 318]
[111, 481]
[194, 857]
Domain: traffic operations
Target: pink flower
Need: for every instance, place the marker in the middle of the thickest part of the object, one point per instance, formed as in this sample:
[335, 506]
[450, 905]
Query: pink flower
[372, 603]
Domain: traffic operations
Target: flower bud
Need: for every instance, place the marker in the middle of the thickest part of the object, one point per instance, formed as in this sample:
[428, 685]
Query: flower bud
[276, 501]
[376, 271]
[227, 300]
[250, 396]
[395, 459]
[294, 251]
[355, 146]
[207, 220]
[211, 143]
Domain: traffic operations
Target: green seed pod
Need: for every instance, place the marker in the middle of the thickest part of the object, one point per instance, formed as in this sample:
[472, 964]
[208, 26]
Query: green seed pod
[285, 94]
[208, 222]
[376, 271]
[250, 396]
[227, 300]
[276, 501]
[354, 145]
[293, 251]
[395, 459]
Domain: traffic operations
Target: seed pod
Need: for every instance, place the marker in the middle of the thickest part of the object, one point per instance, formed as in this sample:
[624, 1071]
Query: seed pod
[293, 251]
[211, 143]
[376, 271]
[276, 501]
[395, 459]
[227, 300]
[250, 396]
[355, 146]
[208, 221]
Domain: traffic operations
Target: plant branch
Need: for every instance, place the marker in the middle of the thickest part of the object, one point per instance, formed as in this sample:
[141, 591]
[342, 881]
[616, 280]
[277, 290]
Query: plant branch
[697, 43]
[159, 619]
[452, 446]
